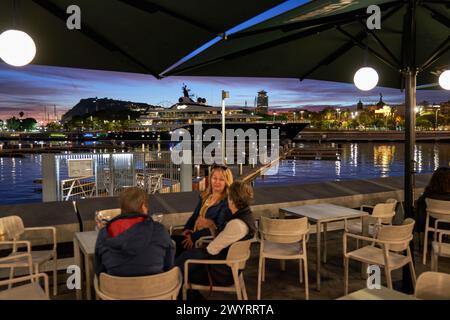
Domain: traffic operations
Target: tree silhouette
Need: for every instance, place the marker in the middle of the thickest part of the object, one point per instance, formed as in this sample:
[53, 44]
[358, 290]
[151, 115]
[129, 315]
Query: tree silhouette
[21, 114]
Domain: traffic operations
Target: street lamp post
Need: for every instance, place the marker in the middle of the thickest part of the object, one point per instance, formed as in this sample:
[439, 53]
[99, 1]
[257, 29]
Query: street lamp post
[338, 110]
[225, 95]
[436, 110]
[301, 113]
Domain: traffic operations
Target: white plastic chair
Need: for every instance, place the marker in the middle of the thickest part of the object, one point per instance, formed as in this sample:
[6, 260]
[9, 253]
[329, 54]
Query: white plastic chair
[283, 239]
[11, 230]
[103, 216]
[382, 213]
[31, 291]
[439, 248]
[237, 257]
[439, 210]
[162, 286]
[433, 286]
[391, 242]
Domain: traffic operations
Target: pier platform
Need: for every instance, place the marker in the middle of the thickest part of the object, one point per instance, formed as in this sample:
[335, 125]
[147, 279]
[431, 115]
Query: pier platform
[311, 135]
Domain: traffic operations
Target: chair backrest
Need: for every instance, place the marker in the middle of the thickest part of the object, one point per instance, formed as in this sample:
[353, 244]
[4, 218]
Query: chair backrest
[163, 286]
[240, 251]
[283, 230]
[103, 216]
[11, 228]
[399, 235]
[439, 209]
[433, 286]
[385, 211]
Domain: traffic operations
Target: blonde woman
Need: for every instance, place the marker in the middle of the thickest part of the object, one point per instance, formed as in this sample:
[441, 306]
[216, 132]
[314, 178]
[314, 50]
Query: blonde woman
[240, 225]
[211, 211]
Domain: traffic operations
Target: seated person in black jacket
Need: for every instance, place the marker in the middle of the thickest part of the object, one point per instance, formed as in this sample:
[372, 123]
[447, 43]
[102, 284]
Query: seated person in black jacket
[132, 244]
[439, 189]
[240, 226]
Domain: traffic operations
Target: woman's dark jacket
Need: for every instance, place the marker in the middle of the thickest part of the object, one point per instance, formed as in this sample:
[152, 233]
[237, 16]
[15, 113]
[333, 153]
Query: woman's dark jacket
[421, 209]
[217, 213]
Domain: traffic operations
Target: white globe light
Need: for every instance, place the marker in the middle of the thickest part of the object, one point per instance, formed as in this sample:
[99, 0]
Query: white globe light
[17, 48]
[365, 78]
[444, 80]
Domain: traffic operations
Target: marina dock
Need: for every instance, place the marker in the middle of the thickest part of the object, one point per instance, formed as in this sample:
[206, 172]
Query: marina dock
[312, 135]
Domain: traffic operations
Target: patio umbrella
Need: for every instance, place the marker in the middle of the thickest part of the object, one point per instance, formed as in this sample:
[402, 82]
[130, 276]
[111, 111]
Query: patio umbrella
[139, 36]
[330, 40]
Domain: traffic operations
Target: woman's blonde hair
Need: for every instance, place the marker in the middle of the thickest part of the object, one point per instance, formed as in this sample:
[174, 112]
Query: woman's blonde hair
[227, 174]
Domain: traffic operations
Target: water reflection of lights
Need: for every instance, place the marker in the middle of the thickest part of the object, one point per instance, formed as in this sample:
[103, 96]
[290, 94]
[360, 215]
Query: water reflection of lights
[338, 168]
[383, 157]
[436, 156]
[354, 154]
[293, 168]
[418, 152]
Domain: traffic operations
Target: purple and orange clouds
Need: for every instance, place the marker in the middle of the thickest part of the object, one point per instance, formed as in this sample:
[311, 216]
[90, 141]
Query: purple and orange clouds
[32, 88]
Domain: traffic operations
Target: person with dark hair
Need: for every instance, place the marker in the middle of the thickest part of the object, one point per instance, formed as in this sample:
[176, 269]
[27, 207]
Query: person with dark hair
[239, 226]
[439, 189]
[210, 212]
[132, 244]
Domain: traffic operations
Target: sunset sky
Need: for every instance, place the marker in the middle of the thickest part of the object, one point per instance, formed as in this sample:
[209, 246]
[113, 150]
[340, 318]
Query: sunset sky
[32, 88]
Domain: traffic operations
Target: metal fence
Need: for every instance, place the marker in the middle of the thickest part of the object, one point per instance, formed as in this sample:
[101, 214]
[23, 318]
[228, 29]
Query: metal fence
[84, 175]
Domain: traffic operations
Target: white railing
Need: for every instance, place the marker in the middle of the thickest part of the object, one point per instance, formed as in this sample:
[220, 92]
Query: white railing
[77, 187]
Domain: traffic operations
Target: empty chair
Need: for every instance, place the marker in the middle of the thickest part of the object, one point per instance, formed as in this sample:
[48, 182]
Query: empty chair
[162, 286]
[30, 291]
[437, 209]
[433, 286]
[382, 213]
[152, 184]
[440, 247]
[237, 257]
[283, 239]
[386, 250]
[12, 229]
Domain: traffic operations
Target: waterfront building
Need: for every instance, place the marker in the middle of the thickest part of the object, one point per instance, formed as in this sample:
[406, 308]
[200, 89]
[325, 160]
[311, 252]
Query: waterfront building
[262, 102]
[360, 106]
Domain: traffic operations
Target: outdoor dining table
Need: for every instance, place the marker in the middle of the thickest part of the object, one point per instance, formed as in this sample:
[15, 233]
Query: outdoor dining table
[322, 214]
[378, 294]
[84, 243]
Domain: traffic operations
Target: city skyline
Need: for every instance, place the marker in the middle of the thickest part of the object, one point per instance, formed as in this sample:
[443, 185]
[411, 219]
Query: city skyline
[31, 88]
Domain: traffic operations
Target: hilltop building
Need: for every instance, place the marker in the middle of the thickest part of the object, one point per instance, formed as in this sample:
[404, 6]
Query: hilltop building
[262, 102]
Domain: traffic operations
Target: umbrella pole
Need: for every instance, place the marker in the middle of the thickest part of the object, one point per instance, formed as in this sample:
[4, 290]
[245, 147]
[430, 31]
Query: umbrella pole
[410, 75]
[410, 140]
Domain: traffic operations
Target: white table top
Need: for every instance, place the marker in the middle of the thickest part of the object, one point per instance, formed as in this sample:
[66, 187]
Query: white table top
[378, 294]
[324, 212]
[87, 241]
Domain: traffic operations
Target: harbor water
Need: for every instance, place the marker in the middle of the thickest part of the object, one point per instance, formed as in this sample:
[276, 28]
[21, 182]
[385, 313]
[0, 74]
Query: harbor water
[362, 160]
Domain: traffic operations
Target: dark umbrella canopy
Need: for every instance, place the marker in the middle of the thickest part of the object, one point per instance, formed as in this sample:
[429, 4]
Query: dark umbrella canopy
[329, 40]
[139, 36]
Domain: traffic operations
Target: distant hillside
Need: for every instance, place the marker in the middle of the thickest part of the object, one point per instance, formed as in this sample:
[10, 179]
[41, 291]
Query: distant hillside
[105, 107]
